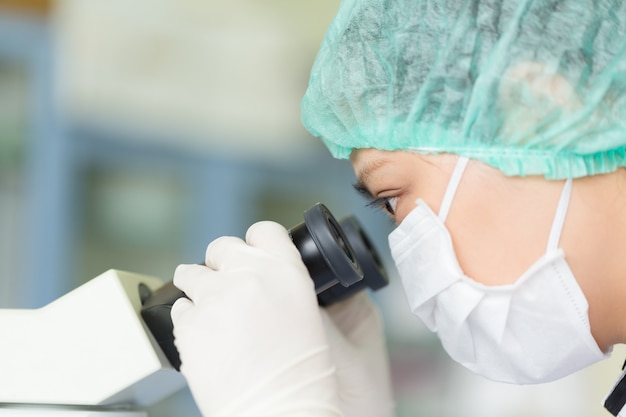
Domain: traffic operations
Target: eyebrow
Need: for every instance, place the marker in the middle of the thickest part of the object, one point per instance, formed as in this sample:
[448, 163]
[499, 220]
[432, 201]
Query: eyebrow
[370, 167]
[362, 189]
[367, 170]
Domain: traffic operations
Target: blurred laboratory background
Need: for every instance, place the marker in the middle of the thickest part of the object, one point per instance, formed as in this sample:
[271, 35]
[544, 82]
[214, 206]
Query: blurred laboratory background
[132, 133]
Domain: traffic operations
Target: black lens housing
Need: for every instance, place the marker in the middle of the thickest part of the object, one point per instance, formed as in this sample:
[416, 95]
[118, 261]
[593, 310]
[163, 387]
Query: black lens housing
[325, 250]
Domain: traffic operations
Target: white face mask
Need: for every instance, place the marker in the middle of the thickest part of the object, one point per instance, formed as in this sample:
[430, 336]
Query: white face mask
[534, 330]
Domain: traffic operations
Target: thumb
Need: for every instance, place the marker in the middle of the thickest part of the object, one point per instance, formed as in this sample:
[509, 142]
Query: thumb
[340, 346]
[357, 318]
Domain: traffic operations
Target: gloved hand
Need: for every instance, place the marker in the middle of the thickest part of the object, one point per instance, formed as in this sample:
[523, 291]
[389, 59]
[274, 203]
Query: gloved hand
[357, 341]
[250, 336]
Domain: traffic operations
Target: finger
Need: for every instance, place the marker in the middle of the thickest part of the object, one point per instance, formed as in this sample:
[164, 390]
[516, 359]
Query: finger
[272, 237]
[333, 333]
[339, 344]
[352, 314]
[194, 280]
[179, 308]
[224, 252]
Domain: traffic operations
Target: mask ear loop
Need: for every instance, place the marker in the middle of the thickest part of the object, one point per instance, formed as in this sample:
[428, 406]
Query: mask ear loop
[453, 184]
[559, 217]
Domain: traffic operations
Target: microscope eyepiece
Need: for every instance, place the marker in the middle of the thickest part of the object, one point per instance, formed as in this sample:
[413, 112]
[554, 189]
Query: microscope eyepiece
[325, 250]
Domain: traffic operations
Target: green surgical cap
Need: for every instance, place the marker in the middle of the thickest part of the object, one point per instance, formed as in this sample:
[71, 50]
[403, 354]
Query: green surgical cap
[529, 87]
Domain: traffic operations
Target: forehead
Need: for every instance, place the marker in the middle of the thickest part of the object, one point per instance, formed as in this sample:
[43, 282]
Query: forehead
[365, 162]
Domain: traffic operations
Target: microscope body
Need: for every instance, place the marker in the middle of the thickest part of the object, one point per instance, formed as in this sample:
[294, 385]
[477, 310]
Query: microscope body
[86, 353]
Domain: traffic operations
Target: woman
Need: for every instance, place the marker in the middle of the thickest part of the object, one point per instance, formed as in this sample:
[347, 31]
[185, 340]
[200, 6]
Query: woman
[493, 133]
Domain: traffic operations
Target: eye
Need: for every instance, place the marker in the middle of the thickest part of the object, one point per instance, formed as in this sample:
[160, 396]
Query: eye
[387, 204]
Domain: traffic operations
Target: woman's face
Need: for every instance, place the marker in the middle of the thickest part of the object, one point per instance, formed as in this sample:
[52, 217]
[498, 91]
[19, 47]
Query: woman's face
[500, 225]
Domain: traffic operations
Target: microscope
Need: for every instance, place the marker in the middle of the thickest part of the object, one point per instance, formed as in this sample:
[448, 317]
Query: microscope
[106, 349]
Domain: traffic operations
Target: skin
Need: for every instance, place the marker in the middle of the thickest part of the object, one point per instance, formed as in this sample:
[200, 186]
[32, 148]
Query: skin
[500, 225]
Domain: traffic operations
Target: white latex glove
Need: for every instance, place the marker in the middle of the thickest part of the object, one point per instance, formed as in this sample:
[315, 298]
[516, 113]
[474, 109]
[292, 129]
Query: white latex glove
[251, 338]
[357, 340]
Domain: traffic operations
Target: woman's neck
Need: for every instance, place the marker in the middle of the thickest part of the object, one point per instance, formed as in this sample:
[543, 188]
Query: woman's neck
[594, 241]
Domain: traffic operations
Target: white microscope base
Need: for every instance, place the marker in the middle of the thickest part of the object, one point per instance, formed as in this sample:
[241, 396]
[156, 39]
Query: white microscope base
[90, 347]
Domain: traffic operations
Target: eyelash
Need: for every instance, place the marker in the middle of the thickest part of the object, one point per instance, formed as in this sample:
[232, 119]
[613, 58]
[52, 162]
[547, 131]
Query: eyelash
[386, 204]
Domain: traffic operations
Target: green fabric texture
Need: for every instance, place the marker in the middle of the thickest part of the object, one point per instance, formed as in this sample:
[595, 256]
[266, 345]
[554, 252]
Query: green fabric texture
[529, 87]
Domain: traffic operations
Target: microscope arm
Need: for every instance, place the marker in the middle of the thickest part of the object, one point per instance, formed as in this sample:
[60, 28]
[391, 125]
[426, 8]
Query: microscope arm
[89, 347]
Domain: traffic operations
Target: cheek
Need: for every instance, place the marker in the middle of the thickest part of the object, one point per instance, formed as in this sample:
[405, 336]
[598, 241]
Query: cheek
[404, 207]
